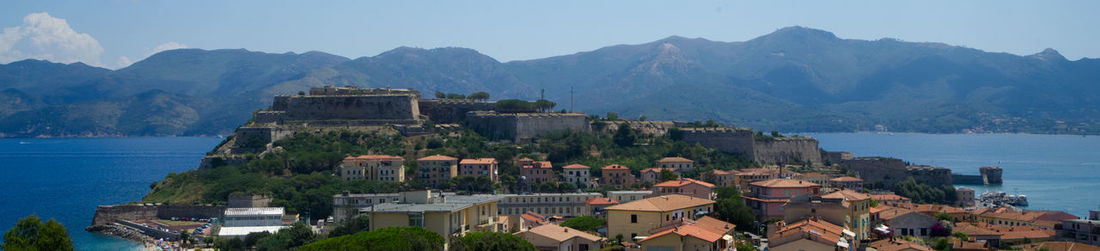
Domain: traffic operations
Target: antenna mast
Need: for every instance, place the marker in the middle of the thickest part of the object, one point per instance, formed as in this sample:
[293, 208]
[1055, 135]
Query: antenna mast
[570, 98]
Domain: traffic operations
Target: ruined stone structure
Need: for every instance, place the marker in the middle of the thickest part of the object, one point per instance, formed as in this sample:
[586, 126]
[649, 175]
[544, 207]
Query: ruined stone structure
[991, 175]
[249, 200]
[742, 141]
[836, 157]
[256, 139]
[787, 151]
[522, 126]
[349, 105]
[930, 175]
[655, 128]
[112, 213]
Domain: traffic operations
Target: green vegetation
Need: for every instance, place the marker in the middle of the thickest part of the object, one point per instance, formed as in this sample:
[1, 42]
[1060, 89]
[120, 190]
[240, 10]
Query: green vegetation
[732, 209]
[31, 234]
[390, 238]
[585, 223]
[667, 175]
[358, 224]
[297, 235]
[515, 105]
[491, 241]
[923, 193]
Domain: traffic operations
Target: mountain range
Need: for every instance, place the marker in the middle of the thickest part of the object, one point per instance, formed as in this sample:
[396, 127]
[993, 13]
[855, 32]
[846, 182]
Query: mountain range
[795, 79]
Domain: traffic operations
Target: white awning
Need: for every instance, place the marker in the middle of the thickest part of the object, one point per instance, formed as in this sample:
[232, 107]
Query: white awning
[848, 233]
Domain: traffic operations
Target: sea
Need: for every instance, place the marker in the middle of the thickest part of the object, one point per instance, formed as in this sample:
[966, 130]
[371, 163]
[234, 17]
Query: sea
[65, 179]
[1056, 172]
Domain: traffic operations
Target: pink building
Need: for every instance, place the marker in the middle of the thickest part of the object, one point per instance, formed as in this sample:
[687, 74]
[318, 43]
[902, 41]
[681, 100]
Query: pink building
[480, 166]
[685, 186]
[537, 171]
[766, 198]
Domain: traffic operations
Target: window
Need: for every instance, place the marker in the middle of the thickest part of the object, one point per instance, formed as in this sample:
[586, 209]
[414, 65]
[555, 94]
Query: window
[416, 219]
[633, 218]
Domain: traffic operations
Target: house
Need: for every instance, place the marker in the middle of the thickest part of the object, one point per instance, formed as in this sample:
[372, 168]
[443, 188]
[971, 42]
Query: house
[577, 175]
[537, 172]
[766, 198]
[345, 206]
[637, 218]
[999, 236]
[1008, 217]
[1082, 230]
[846, 182]
[810, 234]
[444, 214]
[480, 166]
[676, 163]
[749, 175]
[435, 170]
[618, 176]
[705, 233]
[383, 168]
[533, 219]
[557, 204]
[628, 196]
[553, 237]
[907, 222]
[893, 244]
[724, 178]
[817, 178]
[653, 175]
[685, 186]
[596, 206]
[846, 208]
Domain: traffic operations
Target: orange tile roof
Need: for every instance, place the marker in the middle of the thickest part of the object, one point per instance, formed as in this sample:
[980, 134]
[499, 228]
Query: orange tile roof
[706, 228]
[897, 245]
[662, 203]
[1009, 214]
[478, 161]
[658, 170]
[525, 159]
[615, 166]
[673, 160]
[539, 164]
[888, 197]
[575, 166]
[894, 213]
[845, 178]
[1060, 245]
[375, 157]
[784, 183]
[1005, 232]
[714, 225]
[437, 157]
[879, 208]
[723, 172]
[935, 208]
[813, 175]
[601, 201]
[534, 217]
[682, 182]
[560, 233]
[847, 194]
[826, 231]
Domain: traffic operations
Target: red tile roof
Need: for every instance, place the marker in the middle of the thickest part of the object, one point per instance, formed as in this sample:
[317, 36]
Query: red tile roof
[437, 157]
[786, 183]
[706, 228]
[575, 166]
[845, 178]
[615, 166]
[682, 182]
[662, 203]
[478, 161]
[374, 157]
[897, 245]
[673, 160]
[601, 201]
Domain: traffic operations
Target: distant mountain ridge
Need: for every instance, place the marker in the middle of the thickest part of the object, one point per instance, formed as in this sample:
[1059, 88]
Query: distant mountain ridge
[794, 79]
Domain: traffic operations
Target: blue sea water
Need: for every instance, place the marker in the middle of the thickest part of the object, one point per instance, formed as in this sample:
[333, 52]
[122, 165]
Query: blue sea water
[1057, 172]
[66, 179]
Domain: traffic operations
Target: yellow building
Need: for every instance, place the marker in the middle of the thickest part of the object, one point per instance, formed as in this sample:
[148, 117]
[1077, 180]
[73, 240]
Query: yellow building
[846, 208]
[373, 167]
[445, 214]
[706, 233]
[636, 218]
[436, 169]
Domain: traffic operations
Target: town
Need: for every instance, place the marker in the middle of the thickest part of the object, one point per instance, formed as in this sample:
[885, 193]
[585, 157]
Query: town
[461, 166]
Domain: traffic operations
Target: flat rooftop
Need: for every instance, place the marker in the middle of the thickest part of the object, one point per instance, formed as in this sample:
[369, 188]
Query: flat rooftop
[454, 203]
[242, 231]
[242, 211]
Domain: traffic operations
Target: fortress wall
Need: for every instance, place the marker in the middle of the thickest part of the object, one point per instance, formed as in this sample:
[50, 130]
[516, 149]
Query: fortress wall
[190, 211]
[886, 171]
[352, 107]
[991, 174]
[932, 176]
[787, 150]
[279, 103]
[739, 141]
[263, 117]
[108, 214]
[531, 125]
[445, 111]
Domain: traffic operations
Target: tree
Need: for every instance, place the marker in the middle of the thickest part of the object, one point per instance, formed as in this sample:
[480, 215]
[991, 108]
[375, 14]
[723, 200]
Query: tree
[943, 216]
[625, 136]
[31, 234]
[480, 96]
[585, 223]
[358, 224]
[731, 209]
[676, 134]
[961, 235]
[667, 175]
[641, 118]
[492, 241]
[440, 95]
[612, 116]
[390, 238]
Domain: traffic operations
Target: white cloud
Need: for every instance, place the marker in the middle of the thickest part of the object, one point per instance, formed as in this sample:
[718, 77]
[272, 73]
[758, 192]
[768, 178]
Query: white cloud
[125, 61]
[48, 38]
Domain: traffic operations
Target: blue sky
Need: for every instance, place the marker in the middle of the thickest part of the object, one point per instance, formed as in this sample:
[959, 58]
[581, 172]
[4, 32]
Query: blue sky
[113, 34]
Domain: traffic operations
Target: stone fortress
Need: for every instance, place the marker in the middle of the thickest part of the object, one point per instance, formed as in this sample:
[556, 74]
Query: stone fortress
[768, 150]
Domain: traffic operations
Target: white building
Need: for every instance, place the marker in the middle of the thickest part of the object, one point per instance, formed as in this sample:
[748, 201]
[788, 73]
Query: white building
[578, 175]
[628, 196]
[239, 222]
[549, 204]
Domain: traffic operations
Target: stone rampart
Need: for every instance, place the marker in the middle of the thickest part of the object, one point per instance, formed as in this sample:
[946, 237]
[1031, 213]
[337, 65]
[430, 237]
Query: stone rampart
[930, 175]
[256, 139]
[353, 107]
[787, 151]
[190, 211]
[962, 179]
[991, 174]
[447, 111]
[731, 140]
[264, 117]
[877, 172]
[130, 212]
[521, 126]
